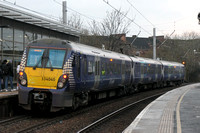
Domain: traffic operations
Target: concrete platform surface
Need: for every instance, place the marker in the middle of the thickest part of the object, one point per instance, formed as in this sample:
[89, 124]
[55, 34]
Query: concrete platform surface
[8, 94]
[177, 111]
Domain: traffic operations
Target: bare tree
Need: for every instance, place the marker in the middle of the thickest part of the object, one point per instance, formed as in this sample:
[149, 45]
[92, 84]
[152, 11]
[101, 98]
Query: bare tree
[95, 28]
[113, 27]
[187, 36]
[115, 23]
[190, 35]
[75, 21]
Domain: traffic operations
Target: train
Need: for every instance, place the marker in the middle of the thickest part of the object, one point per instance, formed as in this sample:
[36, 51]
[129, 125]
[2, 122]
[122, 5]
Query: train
[58, 74]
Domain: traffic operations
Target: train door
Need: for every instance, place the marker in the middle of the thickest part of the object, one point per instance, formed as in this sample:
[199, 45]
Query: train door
[123, 71]
[97, 72]
[127, 72]
[162, 72]
[84, 71]
[142, 77]
[156, 72]
[137, 72]
[132, 71]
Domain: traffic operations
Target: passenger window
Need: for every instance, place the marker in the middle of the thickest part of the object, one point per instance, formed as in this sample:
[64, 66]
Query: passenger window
[90, 67]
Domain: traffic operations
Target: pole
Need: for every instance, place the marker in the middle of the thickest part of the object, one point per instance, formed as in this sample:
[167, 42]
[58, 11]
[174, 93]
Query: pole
[64, 12]
[154, 43]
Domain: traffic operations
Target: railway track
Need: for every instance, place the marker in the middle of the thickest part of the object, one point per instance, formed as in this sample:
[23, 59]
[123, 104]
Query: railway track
[17, 123]
[12, 120]
[114, 114]
[36, 123]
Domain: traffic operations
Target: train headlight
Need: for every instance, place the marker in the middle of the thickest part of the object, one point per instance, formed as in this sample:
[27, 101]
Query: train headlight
[65, 76]
[60, 84]
[23, 81]
[21, 73]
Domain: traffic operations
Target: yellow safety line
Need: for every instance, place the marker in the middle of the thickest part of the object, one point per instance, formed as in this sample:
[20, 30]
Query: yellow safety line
[178, 120]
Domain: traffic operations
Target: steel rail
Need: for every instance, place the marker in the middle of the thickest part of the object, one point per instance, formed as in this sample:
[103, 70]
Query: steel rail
[13, 119]
[115, 113]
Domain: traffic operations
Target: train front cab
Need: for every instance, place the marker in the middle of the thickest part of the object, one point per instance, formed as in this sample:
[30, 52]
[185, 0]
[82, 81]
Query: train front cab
[43, 79]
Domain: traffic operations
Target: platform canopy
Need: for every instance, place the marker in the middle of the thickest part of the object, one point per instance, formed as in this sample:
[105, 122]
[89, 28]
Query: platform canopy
[21, 14]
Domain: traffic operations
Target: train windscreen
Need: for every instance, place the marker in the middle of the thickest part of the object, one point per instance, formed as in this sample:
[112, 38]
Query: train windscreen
[48, 58]
[56, 58]
[34, 57]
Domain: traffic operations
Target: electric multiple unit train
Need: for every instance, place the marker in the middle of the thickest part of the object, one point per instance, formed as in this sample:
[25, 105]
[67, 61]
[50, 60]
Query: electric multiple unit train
[57, 74]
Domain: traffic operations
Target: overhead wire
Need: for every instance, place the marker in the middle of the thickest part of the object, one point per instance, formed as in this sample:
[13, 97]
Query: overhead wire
[166, 39]
[147, 18]
[140, 13]
[126, 17]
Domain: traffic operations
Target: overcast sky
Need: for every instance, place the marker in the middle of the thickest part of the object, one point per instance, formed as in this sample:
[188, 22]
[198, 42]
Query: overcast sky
[165, 15]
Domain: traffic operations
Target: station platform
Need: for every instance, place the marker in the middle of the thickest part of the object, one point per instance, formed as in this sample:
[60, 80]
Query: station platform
[177, 111]
[7, 94]
[8, 103]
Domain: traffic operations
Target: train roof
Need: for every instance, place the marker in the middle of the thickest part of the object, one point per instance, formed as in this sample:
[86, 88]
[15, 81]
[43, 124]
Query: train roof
[169, 63]
[152, 61]
[145, 60]
[90, 50]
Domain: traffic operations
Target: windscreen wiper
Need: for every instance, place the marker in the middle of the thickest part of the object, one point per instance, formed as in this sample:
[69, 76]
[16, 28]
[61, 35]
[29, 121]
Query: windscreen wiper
[40, 60]
[50, 63]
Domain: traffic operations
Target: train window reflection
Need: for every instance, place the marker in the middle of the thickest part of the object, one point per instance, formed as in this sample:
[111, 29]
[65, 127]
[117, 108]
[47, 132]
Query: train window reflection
[34, 57]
